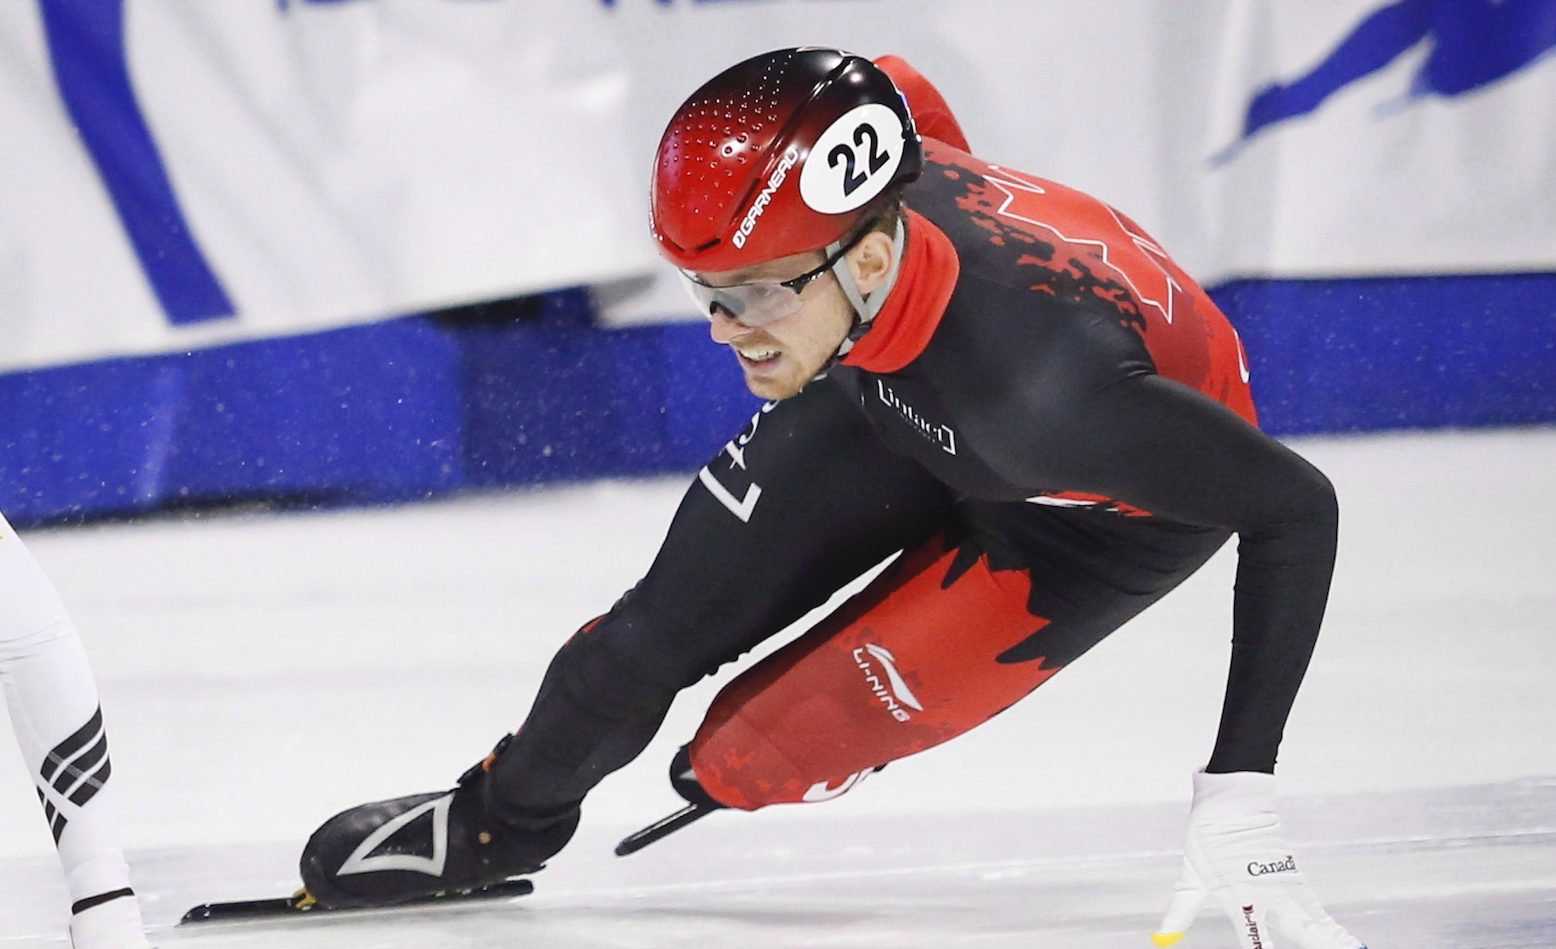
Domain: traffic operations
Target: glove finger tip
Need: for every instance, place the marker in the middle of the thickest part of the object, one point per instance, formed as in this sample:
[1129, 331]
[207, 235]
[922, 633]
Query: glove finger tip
[1180, 914]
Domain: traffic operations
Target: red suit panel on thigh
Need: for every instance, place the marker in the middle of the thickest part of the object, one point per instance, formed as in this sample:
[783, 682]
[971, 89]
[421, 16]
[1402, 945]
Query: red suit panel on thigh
[906, 664]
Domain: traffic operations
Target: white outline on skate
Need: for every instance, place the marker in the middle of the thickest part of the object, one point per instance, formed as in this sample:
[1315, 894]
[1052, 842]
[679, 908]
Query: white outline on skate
[360, 862]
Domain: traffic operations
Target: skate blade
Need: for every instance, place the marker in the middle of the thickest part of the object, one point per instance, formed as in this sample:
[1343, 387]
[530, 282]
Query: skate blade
[663, 828]
[302, 903]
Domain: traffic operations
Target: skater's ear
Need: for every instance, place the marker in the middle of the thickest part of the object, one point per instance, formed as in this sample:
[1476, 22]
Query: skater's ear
[871, 260]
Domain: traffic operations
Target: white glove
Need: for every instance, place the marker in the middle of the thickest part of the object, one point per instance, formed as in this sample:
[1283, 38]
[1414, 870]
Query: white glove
[1236, 854]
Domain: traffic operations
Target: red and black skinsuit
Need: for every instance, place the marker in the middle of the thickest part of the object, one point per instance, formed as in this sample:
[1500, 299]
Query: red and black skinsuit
[1049, 419]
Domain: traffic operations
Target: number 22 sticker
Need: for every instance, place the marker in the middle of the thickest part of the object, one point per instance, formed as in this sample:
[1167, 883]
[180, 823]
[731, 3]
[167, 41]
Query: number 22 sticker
[853, 160]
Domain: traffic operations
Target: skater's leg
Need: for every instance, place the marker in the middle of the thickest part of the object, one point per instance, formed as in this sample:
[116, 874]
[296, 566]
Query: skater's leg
[801, 502]
[54, 711]
[954, 633]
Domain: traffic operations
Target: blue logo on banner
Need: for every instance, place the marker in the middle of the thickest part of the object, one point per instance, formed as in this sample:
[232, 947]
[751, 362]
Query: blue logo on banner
[86, 47]
[1473, 44]
[285, 6]
[666, 3]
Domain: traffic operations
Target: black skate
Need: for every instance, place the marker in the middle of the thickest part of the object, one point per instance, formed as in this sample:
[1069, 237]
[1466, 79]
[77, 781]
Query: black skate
[410, 848]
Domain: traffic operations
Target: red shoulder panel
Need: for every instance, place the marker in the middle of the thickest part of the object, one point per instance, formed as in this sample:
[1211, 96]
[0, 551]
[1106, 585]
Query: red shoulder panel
[930, 112]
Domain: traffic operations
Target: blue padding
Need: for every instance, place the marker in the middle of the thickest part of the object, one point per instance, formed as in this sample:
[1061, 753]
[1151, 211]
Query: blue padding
[367, 413]
[553, 398]
[1404, 352]
[533, 392]
[335, 415]
[388, 411]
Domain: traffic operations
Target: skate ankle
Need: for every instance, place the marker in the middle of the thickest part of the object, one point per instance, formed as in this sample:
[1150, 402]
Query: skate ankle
[497, 817]
[484, 766]
[506, 835]
[108, 921]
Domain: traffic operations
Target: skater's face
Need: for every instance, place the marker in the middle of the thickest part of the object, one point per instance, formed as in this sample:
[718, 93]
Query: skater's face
[780, 355]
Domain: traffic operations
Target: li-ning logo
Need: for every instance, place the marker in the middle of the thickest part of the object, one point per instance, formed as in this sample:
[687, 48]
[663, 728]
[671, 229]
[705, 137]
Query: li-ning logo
[1288, 865]
[941, 435]
[1255, 941]
[894, 692]
[774, 182]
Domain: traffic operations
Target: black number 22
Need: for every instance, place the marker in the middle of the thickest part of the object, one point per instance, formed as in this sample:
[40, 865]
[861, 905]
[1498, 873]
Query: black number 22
[852, 176]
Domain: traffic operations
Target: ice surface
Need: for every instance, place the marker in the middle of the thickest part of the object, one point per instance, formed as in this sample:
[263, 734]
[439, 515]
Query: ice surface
[260, 672]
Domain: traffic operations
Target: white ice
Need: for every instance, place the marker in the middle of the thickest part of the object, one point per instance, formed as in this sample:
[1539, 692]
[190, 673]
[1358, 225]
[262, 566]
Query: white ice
[260, 672]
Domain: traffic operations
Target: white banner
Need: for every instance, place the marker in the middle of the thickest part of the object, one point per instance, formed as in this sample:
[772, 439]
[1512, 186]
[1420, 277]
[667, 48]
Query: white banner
[180, 172]
[1429, 146]
[175, 173]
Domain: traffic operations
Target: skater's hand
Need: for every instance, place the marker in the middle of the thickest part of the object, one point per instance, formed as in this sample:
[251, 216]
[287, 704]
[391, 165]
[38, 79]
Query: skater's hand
[1235, 853]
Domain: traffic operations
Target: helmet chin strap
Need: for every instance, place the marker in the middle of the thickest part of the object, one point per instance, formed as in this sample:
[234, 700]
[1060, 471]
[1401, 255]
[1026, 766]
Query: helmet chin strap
[866, 307]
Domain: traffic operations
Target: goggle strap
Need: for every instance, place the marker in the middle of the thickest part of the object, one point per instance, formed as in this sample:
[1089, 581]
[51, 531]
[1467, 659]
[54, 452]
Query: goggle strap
[866, 308]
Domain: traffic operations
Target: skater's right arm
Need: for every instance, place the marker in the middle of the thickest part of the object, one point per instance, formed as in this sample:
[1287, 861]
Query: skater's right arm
[792, 508]
[795, 506]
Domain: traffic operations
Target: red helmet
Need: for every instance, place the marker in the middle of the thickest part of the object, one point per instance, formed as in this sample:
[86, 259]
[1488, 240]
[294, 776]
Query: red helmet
[781, 154]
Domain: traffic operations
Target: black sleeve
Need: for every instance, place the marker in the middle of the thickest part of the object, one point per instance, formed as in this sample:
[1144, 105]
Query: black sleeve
[1156, 444]
[793, 508]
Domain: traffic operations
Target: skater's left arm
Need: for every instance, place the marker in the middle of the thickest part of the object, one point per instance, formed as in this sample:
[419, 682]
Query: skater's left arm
[1161, 446]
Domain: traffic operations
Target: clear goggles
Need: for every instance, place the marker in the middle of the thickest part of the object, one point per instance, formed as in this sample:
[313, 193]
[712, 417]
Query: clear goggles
[761, 302]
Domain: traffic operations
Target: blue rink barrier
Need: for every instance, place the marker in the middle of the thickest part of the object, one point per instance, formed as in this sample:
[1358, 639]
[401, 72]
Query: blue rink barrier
[525, 392]
[531, 392]
[1375, 353]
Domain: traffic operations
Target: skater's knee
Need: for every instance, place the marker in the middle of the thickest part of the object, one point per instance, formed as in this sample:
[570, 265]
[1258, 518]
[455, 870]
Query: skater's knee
[739, 763]
[22, 637]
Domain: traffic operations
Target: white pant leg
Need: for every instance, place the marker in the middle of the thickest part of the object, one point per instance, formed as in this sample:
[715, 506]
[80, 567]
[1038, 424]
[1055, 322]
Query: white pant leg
[54, 710]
